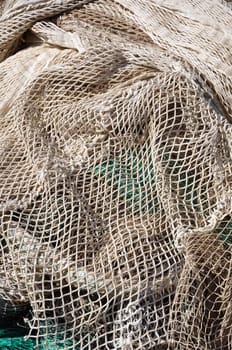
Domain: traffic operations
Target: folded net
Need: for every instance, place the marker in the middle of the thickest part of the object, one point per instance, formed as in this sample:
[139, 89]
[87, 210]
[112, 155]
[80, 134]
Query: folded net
[116, 174]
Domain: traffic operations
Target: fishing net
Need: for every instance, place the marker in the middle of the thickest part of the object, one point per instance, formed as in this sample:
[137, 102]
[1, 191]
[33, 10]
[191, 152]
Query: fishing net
[116, 174]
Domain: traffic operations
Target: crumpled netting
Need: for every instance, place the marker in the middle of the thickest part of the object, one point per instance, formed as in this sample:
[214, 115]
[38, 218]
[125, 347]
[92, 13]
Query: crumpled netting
[116, 146]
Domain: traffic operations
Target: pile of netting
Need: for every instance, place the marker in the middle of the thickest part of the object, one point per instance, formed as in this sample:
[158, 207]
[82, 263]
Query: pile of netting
[116, 174]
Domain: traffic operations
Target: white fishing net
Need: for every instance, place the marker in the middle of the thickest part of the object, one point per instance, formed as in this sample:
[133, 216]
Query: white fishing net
[116, 173]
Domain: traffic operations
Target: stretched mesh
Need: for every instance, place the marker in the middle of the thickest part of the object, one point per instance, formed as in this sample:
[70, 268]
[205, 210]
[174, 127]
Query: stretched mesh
[115, 174]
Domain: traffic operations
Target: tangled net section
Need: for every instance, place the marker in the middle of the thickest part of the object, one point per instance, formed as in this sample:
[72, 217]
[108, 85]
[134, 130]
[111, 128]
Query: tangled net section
[116, 174]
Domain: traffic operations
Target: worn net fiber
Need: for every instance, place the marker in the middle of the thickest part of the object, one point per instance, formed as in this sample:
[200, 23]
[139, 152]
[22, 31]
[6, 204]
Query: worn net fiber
[116, 173]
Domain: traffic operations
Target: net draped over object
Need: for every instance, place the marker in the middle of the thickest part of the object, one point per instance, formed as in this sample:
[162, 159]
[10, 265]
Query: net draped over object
[116, 174]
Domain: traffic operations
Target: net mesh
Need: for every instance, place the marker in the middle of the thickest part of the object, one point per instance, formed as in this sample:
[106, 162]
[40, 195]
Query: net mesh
[115, 196]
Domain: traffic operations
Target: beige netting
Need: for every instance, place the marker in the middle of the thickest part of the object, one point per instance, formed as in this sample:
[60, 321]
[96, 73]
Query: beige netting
[116, 172]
